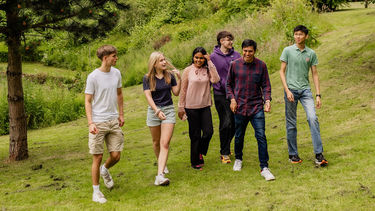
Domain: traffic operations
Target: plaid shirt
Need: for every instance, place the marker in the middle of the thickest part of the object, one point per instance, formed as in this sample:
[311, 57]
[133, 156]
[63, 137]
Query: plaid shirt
[249, 85]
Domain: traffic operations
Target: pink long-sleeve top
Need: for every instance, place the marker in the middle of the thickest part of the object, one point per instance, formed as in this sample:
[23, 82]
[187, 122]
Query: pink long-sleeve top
[195, 86]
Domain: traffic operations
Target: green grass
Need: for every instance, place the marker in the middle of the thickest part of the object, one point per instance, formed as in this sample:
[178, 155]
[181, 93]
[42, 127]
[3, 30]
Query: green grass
[347, 120]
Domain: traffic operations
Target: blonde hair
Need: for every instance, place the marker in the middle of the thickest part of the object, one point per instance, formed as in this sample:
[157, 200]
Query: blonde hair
[105, 50]
[155, 57]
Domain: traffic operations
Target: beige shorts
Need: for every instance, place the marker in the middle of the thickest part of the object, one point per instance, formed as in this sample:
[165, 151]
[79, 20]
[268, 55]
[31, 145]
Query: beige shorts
[111, 133]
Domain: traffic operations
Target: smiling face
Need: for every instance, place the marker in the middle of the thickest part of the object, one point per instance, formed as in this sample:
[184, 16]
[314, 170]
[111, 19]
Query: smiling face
[300, 37]
[248, 53]
[198, 60]
[161, 63]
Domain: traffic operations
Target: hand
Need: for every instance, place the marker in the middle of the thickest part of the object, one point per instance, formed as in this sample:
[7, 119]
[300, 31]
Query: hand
[161, 116]
[290, 96]
[233, 105]
[121, 120]
[93, 129]
[318, 102]
[267, 106]
[177, 73]
[181, 114]
[207, 56]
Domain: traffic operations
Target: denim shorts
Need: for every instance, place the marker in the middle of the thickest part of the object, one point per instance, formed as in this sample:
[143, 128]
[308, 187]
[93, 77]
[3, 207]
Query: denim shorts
[169, 113]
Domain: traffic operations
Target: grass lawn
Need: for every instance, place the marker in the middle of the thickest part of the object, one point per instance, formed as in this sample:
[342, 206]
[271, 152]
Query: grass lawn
[57, 174]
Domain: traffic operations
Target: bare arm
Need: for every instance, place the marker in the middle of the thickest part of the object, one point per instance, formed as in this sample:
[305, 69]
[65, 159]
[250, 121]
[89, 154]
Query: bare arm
[176, 89]
[152, 104]
[88, 108]
[120, 102]
[315, 77]
[289, 94]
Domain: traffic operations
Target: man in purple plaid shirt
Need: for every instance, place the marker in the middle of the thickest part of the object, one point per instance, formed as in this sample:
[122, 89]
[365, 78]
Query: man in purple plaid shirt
[249, 89]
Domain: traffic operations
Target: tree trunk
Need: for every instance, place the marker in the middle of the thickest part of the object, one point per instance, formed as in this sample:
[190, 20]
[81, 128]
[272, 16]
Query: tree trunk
[17, 119]
[366, 3]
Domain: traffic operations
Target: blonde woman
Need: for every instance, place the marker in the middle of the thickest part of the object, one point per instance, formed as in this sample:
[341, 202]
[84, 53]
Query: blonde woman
[158, 84]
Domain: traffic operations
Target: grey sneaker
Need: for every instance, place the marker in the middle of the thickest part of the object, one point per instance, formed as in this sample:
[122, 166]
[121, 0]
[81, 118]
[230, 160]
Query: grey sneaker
[237, 165]
[166, 171]
[161, 180]
[267, 174]
[98, 197]
[107, 178]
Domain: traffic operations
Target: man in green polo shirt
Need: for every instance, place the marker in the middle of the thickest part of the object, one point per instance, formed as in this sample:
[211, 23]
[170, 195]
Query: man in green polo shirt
[296, 60]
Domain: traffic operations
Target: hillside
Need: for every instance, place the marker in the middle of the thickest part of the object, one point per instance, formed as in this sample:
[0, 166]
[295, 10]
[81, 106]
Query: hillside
[347, 74]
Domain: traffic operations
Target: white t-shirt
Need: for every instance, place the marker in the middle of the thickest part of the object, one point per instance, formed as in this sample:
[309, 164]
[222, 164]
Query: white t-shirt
[103, 86]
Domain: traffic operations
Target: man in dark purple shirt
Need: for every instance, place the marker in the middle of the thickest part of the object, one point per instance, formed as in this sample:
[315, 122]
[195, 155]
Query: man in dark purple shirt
[249, 89]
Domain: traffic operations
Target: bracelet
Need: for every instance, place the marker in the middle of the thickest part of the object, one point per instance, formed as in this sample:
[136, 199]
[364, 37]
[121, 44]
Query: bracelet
[318, 95]
[157, 112]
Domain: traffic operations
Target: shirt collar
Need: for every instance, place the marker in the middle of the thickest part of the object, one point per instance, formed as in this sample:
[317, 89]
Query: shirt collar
[295, 47]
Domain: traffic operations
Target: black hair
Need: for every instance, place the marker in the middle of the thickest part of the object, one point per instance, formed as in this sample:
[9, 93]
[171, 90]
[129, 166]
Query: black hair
[247, 43]
[301, 28]
[223, 34]
[199, 50]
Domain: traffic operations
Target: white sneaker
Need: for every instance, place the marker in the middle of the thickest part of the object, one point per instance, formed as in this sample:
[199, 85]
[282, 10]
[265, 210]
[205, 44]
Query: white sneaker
[237, 165]
[161, 180]
[108, 181]
[98, 196]
[267, 174]
[166, 171]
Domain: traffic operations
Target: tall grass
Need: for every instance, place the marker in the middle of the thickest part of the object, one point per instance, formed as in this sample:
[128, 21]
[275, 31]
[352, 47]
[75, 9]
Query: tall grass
[271, 27]
[45, 105]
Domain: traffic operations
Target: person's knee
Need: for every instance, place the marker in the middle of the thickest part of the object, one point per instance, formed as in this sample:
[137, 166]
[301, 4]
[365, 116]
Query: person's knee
[164, 145]
[156, 142]
[115, 156]
[312, 119]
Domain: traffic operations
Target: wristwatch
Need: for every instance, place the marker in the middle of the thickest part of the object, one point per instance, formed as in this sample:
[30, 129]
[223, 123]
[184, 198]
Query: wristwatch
[319, 95]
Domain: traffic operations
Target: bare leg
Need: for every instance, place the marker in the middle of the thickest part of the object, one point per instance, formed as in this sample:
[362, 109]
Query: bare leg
[165, 138]
[96, 160]
[155, 133]
[113, 158]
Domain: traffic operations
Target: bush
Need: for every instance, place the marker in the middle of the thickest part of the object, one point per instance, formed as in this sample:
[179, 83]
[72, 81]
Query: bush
[44, 106]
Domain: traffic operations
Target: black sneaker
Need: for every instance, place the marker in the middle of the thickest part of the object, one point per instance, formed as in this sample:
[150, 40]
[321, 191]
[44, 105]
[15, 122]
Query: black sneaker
[295, 159]
[320, 160]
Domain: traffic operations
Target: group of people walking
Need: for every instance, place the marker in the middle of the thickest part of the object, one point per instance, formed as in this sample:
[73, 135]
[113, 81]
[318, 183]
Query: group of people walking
[242, 93]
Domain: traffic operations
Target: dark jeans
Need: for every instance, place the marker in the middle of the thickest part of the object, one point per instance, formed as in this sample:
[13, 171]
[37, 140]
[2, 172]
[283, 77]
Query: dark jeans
[200, 132]
[258, 123]
[226, 127]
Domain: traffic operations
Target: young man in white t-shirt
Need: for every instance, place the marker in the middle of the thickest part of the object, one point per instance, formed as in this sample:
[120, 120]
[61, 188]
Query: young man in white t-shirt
[102, 96]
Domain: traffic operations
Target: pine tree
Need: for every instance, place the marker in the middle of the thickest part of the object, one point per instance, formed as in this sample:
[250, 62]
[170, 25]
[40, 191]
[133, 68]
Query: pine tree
[90, 18]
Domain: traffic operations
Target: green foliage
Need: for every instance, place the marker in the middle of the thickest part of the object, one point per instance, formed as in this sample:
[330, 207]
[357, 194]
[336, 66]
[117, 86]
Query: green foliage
[287, 14]
[45, 105]
[329, 5]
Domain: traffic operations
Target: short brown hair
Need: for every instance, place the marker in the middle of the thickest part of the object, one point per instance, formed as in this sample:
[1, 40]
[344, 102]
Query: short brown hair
[224, 34]
[105, 50]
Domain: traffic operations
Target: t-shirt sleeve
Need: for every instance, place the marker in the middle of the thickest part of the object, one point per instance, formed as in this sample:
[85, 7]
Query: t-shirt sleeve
[119, 83]
[173, 80]
[90, 86]
[284, 56]
[314, 59]
[146, 85]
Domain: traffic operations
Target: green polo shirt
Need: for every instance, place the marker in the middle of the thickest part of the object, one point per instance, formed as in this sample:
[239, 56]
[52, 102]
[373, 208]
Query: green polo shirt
[298, 65]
